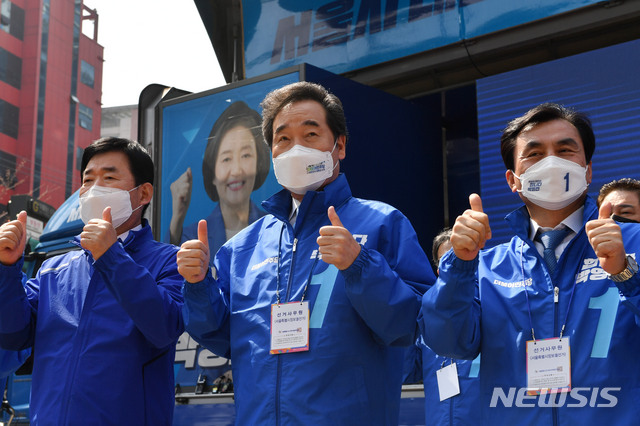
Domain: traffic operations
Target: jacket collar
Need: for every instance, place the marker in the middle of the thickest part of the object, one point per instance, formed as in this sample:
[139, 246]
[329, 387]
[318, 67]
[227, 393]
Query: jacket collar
[519, 219]
[313, 203]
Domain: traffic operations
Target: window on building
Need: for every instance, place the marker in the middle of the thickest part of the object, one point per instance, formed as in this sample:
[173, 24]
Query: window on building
[17, 22]
[10, 68]
[85, 116]
[110, 121]
[79, 152]
[9, 115]
[7, 169]
[87, 73]
[12, 19]
[5, 15]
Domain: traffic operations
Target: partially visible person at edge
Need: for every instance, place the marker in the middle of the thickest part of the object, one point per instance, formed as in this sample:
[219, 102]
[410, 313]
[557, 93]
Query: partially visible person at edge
[624, 196]
[316, 301]
[443, 406]
[103, 320]
[556, 320]
[235, 163]
[10, 361]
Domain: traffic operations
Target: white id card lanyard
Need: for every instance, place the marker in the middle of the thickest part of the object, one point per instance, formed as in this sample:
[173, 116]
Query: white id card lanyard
[548, 360]
[448, 384]
[548, 366]
[290, 321]
[289, 327]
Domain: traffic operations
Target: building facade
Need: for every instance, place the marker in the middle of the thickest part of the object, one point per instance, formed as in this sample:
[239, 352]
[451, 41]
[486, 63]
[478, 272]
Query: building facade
[50, 96]
[120, 122]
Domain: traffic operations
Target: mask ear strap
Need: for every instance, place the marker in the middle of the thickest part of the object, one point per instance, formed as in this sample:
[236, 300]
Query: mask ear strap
[334, 146]
[517, 177]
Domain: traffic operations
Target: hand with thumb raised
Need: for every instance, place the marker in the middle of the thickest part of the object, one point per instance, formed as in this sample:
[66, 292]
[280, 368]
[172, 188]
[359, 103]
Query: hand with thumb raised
[13, 239]
[98, 235]
[181, 198]
[203, 235]
[475, 202]
[193, 256]
[106, 215]
[471, 230]
[334, 218]
[336, 244]
[605, 237]
[605, 211]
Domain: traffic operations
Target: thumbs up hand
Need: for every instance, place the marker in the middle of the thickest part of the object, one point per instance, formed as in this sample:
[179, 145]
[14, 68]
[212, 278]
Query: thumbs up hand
[471, 230]
[606, 239]
[336, 244]
[13, 238]
[193, 256]
[99, 234]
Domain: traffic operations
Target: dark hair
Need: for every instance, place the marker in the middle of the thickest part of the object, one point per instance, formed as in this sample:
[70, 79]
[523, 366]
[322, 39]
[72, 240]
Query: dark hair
[237, 114]
[440, 239]
[303, 91]
[624, 184]
[541, 114]
[140, 162]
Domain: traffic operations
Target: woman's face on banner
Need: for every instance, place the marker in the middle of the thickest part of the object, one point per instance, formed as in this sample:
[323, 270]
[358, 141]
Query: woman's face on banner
[235, 169]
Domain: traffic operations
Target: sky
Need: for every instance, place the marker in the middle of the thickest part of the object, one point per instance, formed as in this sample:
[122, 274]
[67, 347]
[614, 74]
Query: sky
[152, 41]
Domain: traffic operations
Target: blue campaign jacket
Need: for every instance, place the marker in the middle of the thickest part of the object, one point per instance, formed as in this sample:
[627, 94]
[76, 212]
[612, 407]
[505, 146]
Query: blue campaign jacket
[104, 333]
[10, 361]
[601, 324]
[360, 317]
[421, 364]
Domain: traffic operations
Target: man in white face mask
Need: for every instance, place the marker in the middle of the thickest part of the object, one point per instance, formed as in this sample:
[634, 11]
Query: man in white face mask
[314, 300]
[550, 322]
[103, 320]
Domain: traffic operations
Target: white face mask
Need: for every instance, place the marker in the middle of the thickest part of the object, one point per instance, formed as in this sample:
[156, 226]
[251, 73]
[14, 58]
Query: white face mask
[97, 198]
[553, 182]
[303, 169]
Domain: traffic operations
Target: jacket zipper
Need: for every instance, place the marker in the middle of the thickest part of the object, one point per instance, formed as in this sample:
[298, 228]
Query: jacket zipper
[556, 298]
[279, 359]
[293, 259]
[77, 343]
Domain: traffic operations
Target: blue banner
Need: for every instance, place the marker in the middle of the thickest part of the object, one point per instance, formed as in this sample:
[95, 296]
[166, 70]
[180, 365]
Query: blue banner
[187, 131]
[200, 142]
[602, 83]
[345, 35]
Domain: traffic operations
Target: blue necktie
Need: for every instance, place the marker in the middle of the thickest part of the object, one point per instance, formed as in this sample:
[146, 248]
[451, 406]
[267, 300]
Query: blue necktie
[550, 240]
